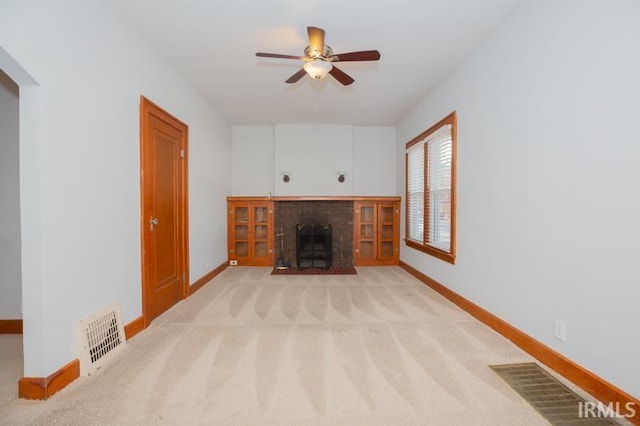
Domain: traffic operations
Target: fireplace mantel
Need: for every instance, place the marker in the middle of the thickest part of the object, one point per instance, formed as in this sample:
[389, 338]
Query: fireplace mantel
[376, 198]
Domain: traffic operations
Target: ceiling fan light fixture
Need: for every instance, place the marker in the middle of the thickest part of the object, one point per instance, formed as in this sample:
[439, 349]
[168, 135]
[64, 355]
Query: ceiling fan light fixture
[318, 68]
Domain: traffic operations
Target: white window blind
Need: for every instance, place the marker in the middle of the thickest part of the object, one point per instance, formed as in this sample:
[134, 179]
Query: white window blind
[415, 193]
[439, 188]
[430, 223]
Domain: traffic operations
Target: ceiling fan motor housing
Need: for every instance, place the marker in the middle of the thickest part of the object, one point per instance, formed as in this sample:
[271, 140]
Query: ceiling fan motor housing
[311, 53]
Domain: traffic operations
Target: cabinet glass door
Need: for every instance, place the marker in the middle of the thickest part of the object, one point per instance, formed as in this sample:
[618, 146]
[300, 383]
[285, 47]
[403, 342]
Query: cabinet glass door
[387, 223]
[260, 231]
[367, 232]
[241, 231]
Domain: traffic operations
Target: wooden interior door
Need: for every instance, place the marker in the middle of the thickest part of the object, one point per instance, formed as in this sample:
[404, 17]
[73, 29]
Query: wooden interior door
[163, 148]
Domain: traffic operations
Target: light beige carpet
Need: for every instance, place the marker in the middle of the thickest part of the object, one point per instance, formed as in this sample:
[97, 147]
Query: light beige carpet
[377, 348]
[10, 368]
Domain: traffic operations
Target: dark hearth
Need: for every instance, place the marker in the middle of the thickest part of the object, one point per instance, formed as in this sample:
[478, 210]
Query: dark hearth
[313, 245]
[334, 270]
[338, 213]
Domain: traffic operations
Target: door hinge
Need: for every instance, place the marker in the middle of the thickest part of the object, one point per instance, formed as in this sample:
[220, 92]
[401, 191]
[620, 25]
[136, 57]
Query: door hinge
[182, 153]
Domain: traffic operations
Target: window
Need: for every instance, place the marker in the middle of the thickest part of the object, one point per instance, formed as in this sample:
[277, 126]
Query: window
[431, 189]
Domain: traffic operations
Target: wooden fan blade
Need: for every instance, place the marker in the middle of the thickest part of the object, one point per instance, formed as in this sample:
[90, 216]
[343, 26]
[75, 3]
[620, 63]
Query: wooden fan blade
[365, 55]
[341, 76]
[297, 76]
[316, 39]
[277, 55]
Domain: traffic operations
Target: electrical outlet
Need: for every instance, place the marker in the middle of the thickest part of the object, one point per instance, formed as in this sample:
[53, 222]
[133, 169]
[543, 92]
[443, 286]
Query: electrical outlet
[233, 262]
[560, 330]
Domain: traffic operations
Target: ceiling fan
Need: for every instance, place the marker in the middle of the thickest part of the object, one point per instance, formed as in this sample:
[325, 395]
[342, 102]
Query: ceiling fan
[319, 59]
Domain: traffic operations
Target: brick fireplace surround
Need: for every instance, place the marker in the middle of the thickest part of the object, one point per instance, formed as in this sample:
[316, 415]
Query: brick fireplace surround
[338, 213]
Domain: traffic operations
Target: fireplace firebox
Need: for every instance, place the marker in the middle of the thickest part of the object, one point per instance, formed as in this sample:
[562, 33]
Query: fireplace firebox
[313, 245]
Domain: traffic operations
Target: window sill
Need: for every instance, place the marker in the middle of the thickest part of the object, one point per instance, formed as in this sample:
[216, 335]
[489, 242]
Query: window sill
[440, 254]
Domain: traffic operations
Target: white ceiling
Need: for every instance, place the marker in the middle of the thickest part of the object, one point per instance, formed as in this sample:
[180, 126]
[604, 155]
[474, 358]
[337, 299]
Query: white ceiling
[212, 43]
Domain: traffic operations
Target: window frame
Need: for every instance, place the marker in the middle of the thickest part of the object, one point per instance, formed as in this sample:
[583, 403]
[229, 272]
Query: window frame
[448, 256]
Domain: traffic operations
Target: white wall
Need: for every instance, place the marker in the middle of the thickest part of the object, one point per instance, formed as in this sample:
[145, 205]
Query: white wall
[373, 171]
[253, 157]
[313, 154]
[548, 179]
[10, 259]
[209, 184]
[91, 71]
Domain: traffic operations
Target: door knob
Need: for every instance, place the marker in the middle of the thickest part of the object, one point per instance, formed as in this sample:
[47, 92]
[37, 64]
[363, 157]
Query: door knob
[153, 222]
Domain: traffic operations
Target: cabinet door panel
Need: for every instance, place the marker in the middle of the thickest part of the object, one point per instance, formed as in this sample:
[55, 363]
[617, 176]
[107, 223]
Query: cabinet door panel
[260, 238]
[260, 214]
[367, 214]
[241, 214]
[261, 231]
[386, 232]
[260, 249]
[242, 249]
[386, 249]
[364, 242]
[366, 232]
[386, 215]
[241, 232]
[367, 250]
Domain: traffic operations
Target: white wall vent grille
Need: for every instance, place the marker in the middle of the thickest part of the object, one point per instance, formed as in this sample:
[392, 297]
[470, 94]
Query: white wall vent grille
[99, 338]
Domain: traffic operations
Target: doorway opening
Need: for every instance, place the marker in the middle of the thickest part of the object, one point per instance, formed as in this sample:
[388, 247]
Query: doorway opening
[12, 362]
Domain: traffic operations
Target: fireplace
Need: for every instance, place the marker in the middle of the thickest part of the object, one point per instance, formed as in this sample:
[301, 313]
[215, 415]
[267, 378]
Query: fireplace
[313, 245]
[336, 213]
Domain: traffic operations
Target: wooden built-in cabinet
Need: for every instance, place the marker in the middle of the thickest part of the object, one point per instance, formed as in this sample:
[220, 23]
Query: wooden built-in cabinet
[251, 234]
[376, 237]
[250, 231]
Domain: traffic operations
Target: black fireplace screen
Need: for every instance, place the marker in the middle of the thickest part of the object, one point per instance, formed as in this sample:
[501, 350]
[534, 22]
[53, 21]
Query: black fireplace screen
[313, 245]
